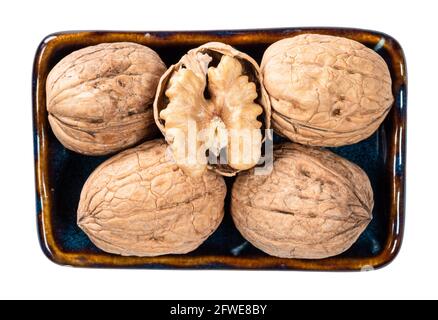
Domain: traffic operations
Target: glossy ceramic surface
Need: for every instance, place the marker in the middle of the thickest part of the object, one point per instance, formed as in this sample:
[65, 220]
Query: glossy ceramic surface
[61, 173]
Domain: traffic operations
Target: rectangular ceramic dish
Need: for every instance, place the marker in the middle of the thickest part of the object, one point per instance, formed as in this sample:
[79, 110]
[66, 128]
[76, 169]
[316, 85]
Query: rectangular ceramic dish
[60, 173]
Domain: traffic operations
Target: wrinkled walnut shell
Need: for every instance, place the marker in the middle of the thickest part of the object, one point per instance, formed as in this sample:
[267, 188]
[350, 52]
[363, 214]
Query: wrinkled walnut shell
[313, 205]
[205, 64]
[138, 203]
[326, 90]
[99, 98]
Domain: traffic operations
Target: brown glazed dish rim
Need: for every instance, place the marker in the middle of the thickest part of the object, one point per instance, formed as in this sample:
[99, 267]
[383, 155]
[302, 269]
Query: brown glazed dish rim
[397, 152]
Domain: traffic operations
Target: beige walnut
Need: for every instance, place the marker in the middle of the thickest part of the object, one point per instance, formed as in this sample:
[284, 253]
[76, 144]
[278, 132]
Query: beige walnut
[211, 102]
[313, 205]
[99, 98]
[326, 90]
[138, 203]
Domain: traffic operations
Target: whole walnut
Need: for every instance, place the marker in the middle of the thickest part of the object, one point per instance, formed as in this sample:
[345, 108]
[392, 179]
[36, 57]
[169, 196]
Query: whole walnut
[326, 90]
[313, 205]
[211, 103]
[99, 98]
[138, 203]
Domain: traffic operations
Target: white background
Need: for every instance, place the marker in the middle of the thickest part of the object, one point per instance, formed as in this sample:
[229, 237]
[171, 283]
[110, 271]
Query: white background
[26, 273]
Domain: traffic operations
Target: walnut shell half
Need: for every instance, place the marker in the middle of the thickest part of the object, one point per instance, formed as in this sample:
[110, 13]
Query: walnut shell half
[99, 98]
[213, 102]
[138, 203]
[314, 204]
[326, 90]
